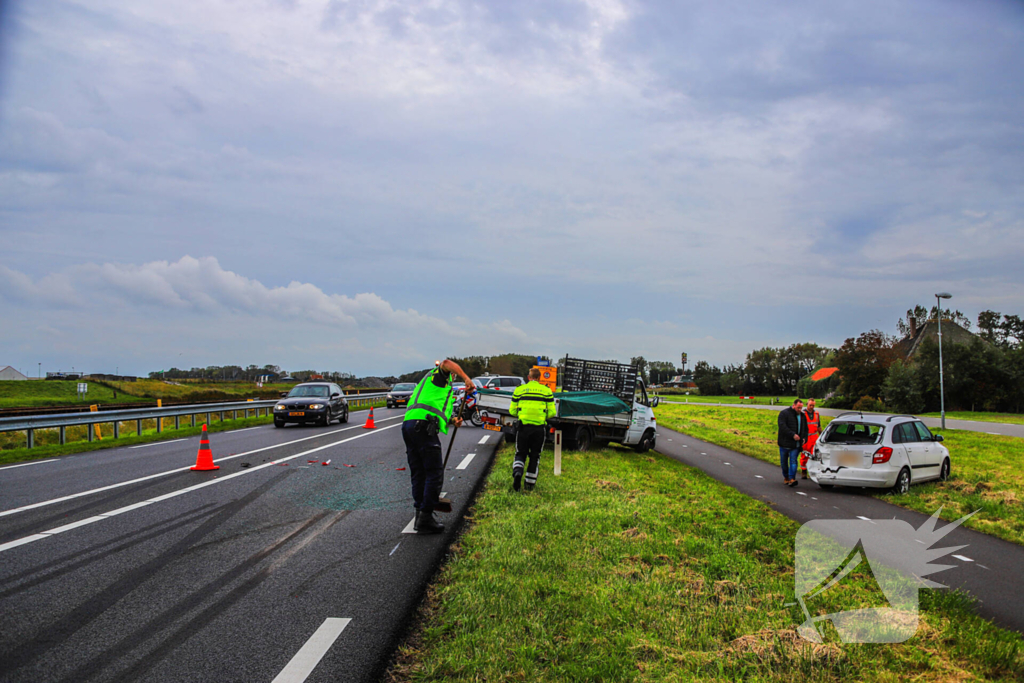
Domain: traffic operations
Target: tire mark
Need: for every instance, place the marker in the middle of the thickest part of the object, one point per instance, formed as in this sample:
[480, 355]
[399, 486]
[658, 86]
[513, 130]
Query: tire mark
[165, 619]
[182, 520]
[56, 634]
[109, 499]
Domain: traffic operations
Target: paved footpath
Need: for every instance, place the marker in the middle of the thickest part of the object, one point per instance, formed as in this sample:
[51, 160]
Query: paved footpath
[124, 565]
[989, 568]
[998, 428]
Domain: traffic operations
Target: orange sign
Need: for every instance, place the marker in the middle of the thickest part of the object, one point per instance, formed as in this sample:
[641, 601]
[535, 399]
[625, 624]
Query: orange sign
[548, 376]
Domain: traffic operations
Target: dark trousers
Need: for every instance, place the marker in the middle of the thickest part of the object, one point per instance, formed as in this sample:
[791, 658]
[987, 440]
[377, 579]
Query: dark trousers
[529, 443]
[425, 464]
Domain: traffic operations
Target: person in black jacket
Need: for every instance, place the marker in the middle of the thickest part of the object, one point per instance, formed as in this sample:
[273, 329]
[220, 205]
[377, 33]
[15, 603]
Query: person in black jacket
[792, 435]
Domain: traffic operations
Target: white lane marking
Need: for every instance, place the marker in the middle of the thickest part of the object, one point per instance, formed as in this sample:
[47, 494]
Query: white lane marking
[310, 654]
[800, 493]
[180, 492]
[156, 443]
[409, 527]
[703, 453]
[983, 566]
[26, 464]
[918, 540]
[465, 461]
[685, 446]
[484, 439]
[33, 506]
[728, 463]
[866, 519]
[394, 549]
[758, 476]
[235, 431]
[963, 559]
[813, 498]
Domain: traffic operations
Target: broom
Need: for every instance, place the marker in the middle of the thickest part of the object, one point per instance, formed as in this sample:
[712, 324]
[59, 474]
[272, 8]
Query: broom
[445, 504]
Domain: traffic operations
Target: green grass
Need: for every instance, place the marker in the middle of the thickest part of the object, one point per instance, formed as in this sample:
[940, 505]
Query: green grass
[35, 393]
[987, 473]
[1006, 418]
[632, 567]
[756, 400]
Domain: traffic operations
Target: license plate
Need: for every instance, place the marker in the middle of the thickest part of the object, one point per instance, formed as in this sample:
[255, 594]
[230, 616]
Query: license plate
[850, 459]
[300, 414]
[493, 428]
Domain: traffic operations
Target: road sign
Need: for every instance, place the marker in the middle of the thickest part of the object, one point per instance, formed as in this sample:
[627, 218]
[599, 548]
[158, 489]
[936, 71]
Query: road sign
[543, 362]
[83, 388]
[683, 357]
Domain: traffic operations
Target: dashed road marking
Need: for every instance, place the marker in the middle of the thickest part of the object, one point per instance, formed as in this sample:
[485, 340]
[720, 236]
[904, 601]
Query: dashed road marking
[157, 443]
[484, 439]
[310, 654]
[728, 463]
[465, 461]
[758, 476]
[866, 519]
[394, 549]
[37, 462]
[983, 566]
[800, 493]
[963, 559]
[409, 527]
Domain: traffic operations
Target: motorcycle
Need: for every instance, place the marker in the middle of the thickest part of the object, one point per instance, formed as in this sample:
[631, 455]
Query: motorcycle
[470, 413]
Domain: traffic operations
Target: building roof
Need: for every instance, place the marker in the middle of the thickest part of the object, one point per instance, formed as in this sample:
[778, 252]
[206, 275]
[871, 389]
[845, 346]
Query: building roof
[823, 373]
[9, 372]
[951, 334]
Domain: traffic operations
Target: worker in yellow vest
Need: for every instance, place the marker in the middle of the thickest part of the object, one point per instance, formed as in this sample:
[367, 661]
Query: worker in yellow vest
[813, 429]
[429, 414]
[534, 404]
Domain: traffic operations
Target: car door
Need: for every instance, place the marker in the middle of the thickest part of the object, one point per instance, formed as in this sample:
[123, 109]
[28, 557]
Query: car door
[336, 399]
[911, 443]
[932, 458]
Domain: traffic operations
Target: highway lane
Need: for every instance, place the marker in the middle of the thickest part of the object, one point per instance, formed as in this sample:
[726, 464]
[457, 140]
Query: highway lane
[988, 568]
[230, 581]
[997, 428]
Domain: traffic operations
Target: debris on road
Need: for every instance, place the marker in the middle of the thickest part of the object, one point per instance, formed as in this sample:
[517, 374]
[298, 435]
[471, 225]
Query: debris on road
[347, 465]
[245, 464]
[325, 463]
[399, 469]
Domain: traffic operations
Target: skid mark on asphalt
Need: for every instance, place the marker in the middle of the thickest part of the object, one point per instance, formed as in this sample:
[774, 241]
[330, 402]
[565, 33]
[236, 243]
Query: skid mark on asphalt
[96, 553]
[316, 525]
[57, 633]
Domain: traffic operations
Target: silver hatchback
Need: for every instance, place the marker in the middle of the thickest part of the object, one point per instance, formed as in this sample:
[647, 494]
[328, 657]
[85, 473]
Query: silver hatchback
[878, 451]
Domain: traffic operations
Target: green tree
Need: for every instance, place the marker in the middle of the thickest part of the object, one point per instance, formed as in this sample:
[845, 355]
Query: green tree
[707, 377]
[641, 366]
[903, 389]
[864, 362]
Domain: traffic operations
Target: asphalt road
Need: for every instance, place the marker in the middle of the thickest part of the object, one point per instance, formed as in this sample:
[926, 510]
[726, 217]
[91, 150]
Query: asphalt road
[124, 565]
[988, 567]
[998, 428]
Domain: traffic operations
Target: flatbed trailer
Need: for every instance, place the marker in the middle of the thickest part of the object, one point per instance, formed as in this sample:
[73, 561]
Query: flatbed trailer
[621, 413]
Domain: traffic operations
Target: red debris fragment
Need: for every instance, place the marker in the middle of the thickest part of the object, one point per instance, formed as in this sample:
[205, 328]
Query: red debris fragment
[282, 464]
[347, 465]
[312, 461]
[325, 463]
[399, 469]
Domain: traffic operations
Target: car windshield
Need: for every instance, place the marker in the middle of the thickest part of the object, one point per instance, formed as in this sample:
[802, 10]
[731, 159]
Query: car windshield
[853, 433]
[313, 390]
[403, 387]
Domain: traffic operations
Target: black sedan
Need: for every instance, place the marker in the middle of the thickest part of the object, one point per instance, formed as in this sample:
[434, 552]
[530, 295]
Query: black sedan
[317, 402]
[400, 394]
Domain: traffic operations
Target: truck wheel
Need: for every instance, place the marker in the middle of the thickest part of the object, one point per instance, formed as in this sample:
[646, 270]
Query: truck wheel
[584, 440]
[646, 442]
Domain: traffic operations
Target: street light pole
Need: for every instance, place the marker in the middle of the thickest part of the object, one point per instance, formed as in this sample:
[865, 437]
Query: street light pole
[942, 387]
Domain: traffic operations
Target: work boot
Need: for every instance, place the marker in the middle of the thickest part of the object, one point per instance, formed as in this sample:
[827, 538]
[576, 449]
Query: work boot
[529, 487]
[803, 474]
[517, 481]
[426, 524]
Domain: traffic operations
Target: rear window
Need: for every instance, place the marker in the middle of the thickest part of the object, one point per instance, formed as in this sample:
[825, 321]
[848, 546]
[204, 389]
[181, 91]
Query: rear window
[853, 433]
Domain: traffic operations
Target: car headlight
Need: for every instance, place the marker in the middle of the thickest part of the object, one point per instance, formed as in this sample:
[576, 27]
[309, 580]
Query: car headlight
[390, 396]
[280, 407]
[316, 406]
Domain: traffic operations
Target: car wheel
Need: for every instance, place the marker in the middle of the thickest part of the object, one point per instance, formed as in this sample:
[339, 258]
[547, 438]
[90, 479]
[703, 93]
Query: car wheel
[344, 416]
[944, 470]
[326, 422]
[584, 440]
[646, 442]
[279, 423]
[902, 484]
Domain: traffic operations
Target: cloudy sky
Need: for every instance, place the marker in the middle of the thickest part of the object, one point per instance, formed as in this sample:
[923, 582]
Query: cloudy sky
[368, 185]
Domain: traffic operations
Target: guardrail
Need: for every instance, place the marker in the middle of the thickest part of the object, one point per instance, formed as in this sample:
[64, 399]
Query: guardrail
[29, 424]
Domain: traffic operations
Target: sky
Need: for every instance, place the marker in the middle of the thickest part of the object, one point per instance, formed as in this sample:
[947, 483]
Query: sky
[366, 186]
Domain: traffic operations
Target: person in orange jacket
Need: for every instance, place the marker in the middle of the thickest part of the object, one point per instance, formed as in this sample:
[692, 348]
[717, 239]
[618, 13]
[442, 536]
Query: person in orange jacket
[813, 429]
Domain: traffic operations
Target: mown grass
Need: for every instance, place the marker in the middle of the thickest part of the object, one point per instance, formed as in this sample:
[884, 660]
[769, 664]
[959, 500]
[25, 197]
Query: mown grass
[731, 400]
[1005, 418]
[33, 393]
[36, 393]
[987, 472]
[632, 567]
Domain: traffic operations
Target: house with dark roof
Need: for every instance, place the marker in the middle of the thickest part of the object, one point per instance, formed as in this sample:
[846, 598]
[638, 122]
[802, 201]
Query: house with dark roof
[951, 334]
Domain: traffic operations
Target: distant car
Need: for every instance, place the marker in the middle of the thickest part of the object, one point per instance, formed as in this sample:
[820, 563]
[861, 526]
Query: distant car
[878, 451]
[400, 394]
[318, 402]
[498, 382]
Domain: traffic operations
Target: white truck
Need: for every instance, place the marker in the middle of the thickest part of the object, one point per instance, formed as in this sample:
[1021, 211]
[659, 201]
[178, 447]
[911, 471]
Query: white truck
[600, 401]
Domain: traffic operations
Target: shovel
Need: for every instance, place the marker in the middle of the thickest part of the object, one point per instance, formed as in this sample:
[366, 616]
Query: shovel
[445, 504]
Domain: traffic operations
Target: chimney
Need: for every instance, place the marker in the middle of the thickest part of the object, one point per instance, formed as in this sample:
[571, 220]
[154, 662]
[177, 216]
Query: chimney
[913, 326]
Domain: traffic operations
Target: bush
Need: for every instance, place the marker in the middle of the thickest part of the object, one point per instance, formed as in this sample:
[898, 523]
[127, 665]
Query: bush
[838, 403]
[903, 389]
[868, 404]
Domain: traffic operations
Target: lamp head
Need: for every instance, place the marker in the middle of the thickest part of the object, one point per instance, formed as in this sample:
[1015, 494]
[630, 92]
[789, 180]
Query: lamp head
[944, 295]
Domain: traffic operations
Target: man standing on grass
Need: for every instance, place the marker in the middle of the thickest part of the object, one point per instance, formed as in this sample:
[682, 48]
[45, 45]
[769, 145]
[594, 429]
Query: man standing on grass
[534, 404]
[792, 435]
[813, 418]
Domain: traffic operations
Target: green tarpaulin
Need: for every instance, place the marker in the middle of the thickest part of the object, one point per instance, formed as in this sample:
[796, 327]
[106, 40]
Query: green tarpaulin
[583, 403]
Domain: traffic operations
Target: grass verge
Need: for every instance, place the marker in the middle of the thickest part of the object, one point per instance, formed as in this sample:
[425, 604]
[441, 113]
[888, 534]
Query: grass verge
[986, 468]
[632, 567]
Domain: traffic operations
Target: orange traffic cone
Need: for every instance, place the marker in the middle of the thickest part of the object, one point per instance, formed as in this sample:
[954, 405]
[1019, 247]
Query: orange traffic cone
[204, 459]
[369, 421]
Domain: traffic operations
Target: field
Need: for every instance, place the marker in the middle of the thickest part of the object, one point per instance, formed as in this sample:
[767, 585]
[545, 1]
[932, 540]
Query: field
[678, 395]
[987, 475]
[30, 394]
[1006, 418]
[633, 567]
